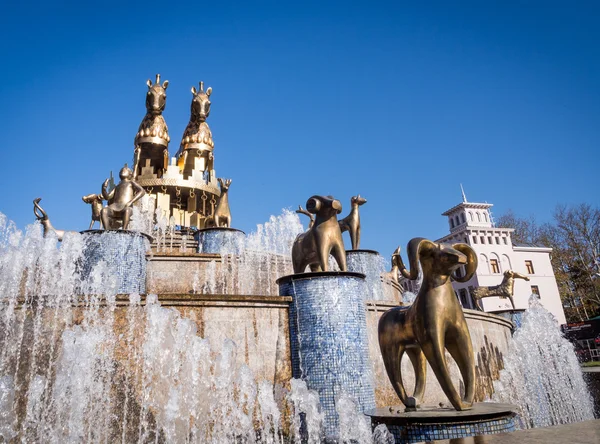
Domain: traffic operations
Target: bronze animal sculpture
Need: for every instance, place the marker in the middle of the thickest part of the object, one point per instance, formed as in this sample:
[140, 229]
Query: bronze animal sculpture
[95, 200]
[120, 199]
[42, 216]
[197, 138]
[351, 223]
[301, 210]
[312, 248]
[222, 217]
[152, 137]
[432, 324]
[392, 275]
[506, 289]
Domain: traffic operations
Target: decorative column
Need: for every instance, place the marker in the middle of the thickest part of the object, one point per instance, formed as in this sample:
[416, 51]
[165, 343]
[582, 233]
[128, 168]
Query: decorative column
[328, 335]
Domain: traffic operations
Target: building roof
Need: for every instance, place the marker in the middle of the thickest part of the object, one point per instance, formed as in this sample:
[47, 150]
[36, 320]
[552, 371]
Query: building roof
[477, 206]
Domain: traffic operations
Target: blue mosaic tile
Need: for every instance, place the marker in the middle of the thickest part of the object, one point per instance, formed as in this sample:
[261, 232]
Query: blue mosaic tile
[125, 254]
[328, 339]
[220, 240]
[371, 264]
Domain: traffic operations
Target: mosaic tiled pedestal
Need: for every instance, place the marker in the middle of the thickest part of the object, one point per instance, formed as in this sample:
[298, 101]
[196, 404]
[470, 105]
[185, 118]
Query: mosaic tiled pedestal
[123, 251]
[220, 240]
[328, 338]
[436, 423]
[371, 264]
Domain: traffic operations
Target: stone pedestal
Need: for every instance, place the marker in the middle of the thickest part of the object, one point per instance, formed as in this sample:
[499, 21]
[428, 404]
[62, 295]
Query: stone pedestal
[328, 338]
[220, 240]
[371, 264]
[123, 251]
[514, 316]
[435, 423]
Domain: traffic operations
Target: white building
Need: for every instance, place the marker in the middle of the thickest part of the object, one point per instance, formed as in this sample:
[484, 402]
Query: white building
[472, 223]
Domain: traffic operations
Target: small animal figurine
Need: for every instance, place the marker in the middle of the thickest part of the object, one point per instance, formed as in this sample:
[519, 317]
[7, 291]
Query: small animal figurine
[351, 223]
[433, 324]
[312, 248]
[95, 200]
[41, 215]
[301, 210]
[222, 217]
[506, 289]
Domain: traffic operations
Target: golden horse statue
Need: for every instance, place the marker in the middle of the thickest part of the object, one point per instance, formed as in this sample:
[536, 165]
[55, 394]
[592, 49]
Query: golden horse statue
[433, 324]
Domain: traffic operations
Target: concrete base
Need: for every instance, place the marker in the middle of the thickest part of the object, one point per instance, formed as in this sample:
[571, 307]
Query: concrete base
[220, 240]
[435, 423]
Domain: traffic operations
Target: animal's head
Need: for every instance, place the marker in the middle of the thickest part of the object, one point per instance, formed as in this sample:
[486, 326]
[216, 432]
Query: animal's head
[39, 212]
[91, 198]
[358, 200]
[156, 97]
[225, 183]
[513, 274]
[201, 102]
[324, 206]
[440, 259]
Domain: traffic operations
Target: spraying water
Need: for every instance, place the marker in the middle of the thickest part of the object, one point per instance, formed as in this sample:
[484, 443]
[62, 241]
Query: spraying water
[542, 375]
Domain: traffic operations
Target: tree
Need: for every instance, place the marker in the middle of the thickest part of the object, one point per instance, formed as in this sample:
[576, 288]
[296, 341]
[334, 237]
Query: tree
[574, 236]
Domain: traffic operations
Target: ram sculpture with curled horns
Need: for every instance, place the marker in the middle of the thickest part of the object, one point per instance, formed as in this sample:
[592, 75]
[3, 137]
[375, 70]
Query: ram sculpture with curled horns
[434, 323]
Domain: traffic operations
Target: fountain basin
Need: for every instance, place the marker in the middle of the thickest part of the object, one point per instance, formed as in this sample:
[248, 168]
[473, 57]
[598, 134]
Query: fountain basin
[436, 423]
[371, 264]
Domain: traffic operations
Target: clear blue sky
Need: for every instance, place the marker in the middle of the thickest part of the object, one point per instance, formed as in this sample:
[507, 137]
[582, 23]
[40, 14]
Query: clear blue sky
[400, 103]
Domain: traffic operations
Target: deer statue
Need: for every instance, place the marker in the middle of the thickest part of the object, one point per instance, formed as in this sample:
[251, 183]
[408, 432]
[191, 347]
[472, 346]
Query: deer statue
[152, 139]
[42, 217]
[197, 141]
[95, 200]
[351, 223]
[301, 210]
[222, 217]
[506, 289]
[392, 275]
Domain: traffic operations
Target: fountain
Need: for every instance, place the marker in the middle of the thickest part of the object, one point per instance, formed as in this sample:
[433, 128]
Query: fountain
[180, 328]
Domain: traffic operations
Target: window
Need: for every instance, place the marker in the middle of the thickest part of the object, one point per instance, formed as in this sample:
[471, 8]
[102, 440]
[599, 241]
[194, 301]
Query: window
[451, 223]
[535, 290]
[490, 240]
[529, 266]
[482, 239]
[505, 241]
[462, 217]
[495, 266]
[474, 239]
[463, 297]
[478, 217]
[485, 216]
[470, 216]
[497, 240]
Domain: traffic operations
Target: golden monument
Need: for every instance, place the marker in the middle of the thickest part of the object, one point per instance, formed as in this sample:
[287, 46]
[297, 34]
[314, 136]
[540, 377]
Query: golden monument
[324, 237]
[351, 223]
[222, 217]
[506, 289]
[434, 323]
[185, 187]
[120, 199]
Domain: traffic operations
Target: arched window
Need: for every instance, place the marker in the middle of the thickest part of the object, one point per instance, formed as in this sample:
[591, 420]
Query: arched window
[462, 217]
[495, 267]
[485, 216]
[456, 221]
[484, 266]
[478, 217]
[506, 265]
[451, 223]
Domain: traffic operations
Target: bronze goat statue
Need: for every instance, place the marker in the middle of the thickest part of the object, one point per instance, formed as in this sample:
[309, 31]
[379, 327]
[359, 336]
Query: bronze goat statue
[42, 217]
[311, 218]
[433, 324]
[222, 216]
[506, 289]
[351, 223]
[392, 275]
[312, 248]
[95, 200]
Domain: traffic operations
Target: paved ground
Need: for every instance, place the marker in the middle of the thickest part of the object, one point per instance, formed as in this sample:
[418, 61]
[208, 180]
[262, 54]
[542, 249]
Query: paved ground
[586, 432]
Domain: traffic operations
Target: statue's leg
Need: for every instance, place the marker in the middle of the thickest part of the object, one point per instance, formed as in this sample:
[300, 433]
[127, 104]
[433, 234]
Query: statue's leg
[105, 217]
[392, 360]
[339, 256]
[434, 348]
[461, 349]
[420, 366]
[136, 160]
[357, 246]
[478, 303]
[512, 301]
[228, 221]
[91, 224]
[126, 216]
[323, 256]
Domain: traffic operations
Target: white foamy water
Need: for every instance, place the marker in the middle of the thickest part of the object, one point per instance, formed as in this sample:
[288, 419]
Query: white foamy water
[542, 375]
[78, 364]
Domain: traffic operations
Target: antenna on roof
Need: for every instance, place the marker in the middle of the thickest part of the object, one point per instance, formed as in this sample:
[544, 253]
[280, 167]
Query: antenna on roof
[463, 193]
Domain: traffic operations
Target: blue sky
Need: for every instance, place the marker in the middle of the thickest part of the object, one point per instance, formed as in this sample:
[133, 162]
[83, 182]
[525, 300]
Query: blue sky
[398, 102]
